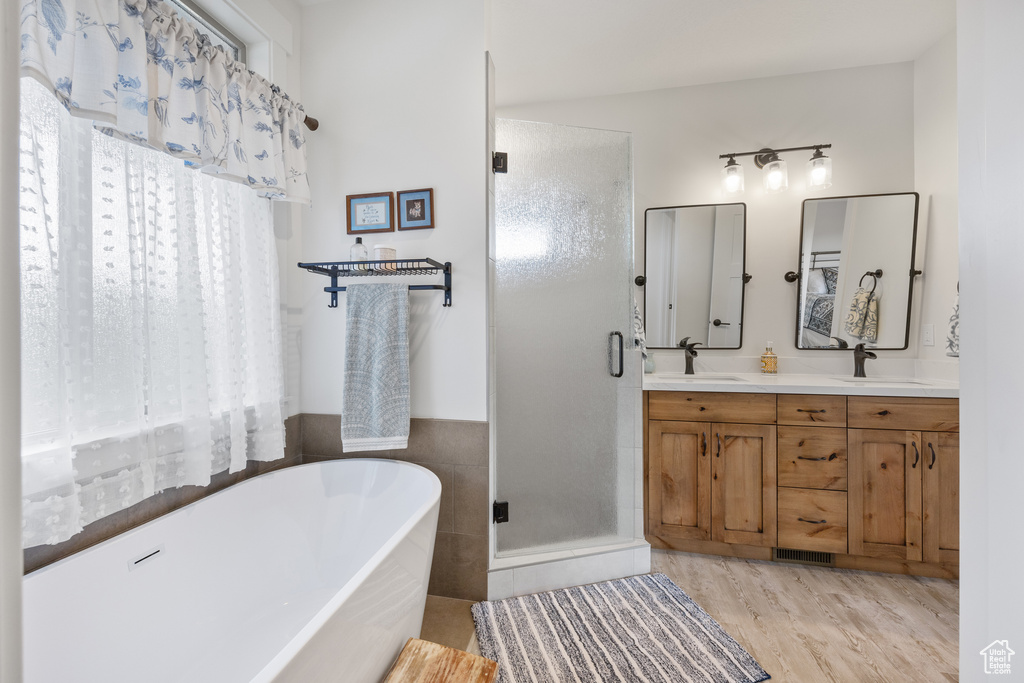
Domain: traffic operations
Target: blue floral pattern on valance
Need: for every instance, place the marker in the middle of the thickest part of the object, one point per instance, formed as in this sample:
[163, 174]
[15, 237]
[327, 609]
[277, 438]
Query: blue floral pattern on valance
[143, 73]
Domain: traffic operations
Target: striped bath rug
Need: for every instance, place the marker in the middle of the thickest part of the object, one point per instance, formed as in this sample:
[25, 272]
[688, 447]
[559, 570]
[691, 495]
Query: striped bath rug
[643, 629]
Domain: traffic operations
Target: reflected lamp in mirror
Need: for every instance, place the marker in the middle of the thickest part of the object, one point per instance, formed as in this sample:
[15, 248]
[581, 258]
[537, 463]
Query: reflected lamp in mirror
[856, 274]
[695, 259]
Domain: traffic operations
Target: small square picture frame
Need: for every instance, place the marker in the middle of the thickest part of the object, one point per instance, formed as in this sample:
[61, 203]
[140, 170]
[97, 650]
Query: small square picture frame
[416, 209]
[372, 212]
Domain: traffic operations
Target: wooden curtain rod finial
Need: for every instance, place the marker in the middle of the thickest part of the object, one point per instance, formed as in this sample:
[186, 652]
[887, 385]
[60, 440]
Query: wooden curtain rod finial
[311, 123]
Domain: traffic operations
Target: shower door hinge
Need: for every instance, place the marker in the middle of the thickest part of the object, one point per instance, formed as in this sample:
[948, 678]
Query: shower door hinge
[499, 162]
[500, 512]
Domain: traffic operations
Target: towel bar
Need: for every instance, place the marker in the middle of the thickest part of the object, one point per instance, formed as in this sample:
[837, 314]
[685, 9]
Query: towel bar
[424, 266]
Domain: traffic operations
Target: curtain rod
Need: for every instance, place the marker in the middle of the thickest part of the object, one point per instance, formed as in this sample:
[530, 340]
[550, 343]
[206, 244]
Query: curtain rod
[311, 123]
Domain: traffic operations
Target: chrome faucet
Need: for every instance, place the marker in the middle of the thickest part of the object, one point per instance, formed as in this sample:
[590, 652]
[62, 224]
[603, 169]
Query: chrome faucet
[859, 356]
[691, 353]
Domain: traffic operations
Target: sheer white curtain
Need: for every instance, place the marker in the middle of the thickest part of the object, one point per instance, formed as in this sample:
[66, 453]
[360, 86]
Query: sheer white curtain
[150, 332]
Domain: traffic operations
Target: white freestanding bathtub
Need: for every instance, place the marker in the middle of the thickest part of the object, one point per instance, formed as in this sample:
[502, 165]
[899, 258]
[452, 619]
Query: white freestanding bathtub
[312, 573]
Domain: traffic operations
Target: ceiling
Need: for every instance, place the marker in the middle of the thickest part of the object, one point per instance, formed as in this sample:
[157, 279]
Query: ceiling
[565, 49]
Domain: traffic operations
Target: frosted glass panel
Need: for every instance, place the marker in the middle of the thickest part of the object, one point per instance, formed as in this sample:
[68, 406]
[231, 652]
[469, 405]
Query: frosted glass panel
[564, 257]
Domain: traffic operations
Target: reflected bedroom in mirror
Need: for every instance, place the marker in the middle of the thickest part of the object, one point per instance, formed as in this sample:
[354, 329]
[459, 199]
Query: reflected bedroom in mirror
[856, 271]
[695, 268]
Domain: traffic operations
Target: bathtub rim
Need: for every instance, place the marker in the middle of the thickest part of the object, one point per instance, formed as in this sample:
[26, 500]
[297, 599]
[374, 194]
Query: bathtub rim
[276, 665]
[280, 470]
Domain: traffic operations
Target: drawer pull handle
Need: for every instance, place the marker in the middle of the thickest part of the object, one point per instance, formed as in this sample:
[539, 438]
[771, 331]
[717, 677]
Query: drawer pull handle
[811, 521]
[719, 437]
[804, 457]
[703, 443]
[917, 455]
[932, 463]
[801, 410]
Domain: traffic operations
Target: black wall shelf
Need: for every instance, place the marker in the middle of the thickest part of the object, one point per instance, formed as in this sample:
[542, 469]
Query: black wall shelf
[423, 266]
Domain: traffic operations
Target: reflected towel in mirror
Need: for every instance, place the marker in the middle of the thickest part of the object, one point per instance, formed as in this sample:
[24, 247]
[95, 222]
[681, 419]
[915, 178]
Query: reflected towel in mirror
[953, 336]
[639, 338]
[862, 321]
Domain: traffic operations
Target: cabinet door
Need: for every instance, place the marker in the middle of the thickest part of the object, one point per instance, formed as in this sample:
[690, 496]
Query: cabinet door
[941, 495]
[743, 484]
[885, 493]
[679, 480]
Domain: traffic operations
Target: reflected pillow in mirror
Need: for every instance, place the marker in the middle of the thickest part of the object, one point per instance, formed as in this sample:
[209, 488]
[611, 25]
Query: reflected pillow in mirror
[831, 279]
[815, 281]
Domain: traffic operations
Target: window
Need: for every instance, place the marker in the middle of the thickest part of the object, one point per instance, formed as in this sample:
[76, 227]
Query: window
[150, 323]
[216, 32]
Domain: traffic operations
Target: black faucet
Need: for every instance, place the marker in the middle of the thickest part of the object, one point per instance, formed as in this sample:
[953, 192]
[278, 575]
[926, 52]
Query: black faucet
[859, 356]
[691, 353]
[842, 342]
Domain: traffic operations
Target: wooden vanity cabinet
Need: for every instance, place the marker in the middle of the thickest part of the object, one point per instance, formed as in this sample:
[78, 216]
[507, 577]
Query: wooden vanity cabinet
[904, 470]
[885, 480]
[711, 481]
[941, 497]
[812, 473]
[873, 480]
[679, 490]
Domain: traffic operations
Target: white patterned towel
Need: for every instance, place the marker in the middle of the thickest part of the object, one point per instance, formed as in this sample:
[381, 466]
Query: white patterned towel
[375, 413]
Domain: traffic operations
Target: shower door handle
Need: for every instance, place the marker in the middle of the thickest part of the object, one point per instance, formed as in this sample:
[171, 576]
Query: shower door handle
[622, 343]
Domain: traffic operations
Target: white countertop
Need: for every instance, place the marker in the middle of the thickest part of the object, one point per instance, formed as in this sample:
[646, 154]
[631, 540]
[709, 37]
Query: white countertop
[801, 384]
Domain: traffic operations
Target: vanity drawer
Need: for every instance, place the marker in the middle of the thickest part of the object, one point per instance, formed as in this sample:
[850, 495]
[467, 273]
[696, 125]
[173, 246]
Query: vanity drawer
[812, 409]
[700, 406]
[892, 412]
[812, 457]
[812, 520]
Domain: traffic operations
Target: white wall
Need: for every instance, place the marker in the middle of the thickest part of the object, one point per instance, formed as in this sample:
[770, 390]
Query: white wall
[935, 176]
[10, 364]
[399, 89]
[990, 100]
[866, 113]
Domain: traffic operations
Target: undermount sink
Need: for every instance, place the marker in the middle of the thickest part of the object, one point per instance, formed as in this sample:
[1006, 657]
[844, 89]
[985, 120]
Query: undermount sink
[702, 377]
[883, 380]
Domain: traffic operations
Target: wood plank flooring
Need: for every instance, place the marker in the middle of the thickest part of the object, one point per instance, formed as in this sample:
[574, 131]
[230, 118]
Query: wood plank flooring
[808, 624]
[803, 624]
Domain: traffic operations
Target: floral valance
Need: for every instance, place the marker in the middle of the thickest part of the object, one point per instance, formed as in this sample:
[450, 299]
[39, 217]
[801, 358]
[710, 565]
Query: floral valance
[144, 73]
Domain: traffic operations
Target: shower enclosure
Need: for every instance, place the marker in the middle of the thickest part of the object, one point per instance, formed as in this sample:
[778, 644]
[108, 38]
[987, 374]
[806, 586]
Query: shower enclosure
[566, 369]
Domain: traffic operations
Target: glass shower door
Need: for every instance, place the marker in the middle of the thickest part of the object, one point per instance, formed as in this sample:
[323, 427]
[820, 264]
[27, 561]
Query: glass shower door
[563, 311]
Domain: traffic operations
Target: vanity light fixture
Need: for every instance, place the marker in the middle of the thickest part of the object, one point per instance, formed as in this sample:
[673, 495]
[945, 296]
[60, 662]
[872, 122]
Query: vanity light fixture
[732, 178]
[819, 171]
[774, 175]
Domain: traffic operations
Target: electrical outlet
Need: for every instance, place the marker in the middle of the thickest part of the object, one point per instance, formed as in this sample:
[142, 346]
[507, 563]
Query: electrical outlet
[928, 335]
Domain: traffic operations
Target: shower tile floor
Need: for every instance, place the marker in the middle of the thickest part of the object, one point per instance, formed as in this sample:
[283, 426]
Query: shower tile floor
[801, 623]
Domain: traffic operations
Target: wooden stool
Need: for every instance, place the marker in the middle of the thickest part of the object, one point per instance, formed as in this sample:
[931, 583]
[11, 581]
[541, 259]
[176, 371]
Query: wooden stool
[424, 662]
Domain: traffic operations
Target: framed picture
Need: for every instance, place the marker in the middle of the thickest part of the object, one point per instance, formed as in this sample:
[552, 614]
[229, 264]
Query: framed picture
[416, 209]
[373, 212]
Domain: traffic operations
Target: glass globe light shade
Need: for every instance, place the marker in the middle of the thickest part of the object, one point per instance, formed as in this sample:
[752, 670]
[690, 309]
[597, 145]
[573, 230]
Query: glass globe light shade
[819, 172]
[732, 179]
[776, 179]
